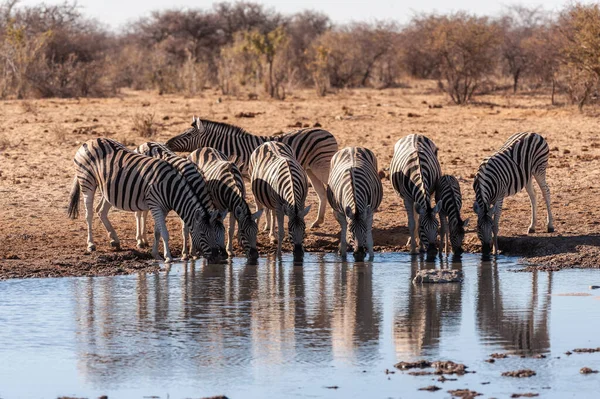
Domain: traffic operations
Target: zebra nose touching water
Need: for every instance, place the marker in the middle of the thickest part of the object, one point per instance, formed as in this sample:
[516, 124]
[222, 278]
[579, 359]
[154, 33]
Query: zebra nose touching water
[452, 226]
[354, 192]
[414, 173]
[226, 187]
[279, 184]
[195, 178]
[134, 182]
[524, 156]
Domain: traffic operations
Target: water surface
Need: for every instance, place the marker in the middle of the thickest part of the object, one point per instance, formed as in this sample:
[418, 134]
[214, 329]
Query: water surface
[281, 330]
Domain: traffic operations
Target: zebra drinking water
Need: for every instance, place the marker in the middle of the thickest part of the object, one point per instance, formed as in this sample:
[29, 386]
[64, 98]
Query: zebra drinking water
[194, 177]
[354, 192]
[226, 186]
[279, 184]
[133, 182]
[414, 173]
[505, 173]
[312, 147]
[452, 227]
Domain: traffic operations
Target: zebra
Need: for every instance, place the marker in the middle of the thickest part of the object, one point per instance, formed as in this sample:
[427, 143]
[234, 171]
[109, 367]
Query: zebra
[312, 147]
[226, 186]
[505, 173]
[414, 173]
[196, 179]
[133, 182]
[452, 227]
[280, 184]
[354, 191]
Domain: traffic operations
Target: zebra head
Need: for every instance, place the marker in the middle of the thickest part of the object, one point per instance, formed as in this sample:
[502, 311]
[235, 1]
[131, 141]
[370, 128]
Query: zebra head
[359, 224]
[203, 235]
[188, 140]
[296, 229]
[485, 226]
[457, 234]
[428, 225]
[248, 230]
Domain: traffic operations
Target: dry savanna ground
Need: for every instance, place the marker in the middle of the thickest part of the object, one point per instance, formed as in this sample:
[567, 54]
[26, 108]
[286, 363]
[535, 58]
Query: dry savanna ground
[38, 139]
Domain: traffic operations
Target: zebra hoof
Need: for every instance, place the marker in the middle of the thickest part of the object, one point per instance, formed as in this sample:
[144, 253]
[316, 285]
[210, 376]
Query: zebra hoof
[168, 260]
[115, 245]
[531, 230]
[316, 225]
[91, 248]
[142, 244]
[550, 229]
[185, 257]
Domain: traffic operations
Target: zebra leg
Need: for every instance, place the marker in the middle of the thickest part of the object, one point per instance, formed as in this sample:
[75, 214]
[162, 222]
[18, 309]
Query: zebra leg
[103, 214]
[319, 187]
[271, 220]
[140, 227]
[443, 231]
[160, 230]
[370, 242]
[231, 233]
[410, 213]
[541, 180]
[88, 199]
[341, 218]
[532, 198]
[280, 231]
[185, 231]
[144, 236]
[497, 214]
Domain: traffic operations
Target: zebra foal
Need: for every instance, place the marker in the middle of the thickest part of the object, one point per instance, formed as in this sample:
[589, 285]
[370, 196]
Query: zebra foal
[354, 191]
[414, 173]
[226, 186]
[505, 173]
[312, 148]
[194, 177]
[279, 184]
[134, 182]
[452, 226]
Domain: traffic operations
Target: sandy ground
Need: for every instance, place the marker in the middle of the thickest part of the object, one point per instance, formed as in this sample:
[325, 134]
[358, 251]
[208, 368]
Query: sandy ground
[38, 139]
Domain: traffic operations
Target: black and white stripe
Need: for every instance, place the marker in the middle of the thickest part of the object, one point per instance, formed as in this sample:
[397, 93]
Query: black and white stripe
[279, 184]
[197, 181]
[226, 186]
[312, 147]
[414, 173]
[134, 182]
[505, 173]
[355, 192]
[452, 226]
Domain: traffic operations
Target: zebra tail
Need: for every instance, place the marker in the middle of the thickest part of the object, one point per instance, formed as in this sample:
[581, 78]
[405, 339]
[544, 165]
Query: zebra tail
[73, 211]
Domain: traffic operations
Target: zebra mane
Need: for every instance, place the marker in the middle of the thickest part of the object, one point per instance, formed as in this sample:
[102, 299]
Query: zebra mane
[229, 129]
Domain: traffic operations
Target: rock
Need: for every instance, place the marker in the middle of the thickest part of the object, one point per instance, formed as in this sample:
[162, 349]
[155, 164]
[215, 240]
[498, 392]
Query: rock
[586, 350]
[524, 395]
[498, 355]
[594, 287]
[438, 276]
[419, 364]
[430, 388]
[413, 115]
[449, 367]
[525, 373]
[464, 393]
[587, 370]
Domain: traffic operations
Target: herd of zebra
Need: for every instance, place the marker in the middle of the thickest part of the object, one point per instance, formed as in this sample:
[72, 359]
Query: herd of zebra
[209, 183]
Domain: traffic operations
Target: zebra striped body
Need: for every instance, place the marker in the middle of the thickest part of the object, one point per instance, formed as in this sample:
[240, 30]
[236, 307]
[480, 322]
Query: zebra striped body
[452, 227]
[354, 192]
[194, 177]
[279, 184]
[133, 182]
[414, 173]
[226, 186]
[312, 148]
[505, 173]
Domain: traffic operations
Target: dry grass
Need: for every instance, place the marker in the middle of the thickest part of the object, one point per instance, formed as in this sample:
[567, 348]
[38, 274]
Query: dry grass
[30, 107]
[58, 132]
[145, 124]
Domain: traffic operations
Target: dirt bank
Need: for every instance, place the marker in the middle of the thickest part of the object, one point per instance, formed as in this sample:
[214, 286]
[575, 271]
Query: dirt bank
[39, 138]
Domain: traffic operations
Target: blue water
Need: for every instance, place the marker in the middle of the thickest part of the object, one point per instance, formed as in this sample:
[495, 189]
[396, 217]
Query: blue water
[282, 330]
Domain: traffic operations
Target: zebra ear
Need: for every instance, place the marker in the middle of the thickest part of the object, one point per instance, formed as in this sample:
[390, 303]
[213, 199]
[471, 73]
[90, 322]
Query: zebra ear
[419, 209]
[437, 207]
[476, 208]
[304, 212]
[213, 216]
[222, 215]
[238, 212]
[466, 222]
[257, 214]
[366, 213]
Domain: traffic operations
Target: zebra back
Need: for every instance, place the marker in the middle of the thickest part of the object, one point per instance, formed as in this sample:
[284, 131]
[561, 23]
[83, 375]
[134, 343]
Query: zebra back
[509, 170]
[415, 169]
[223, 178]
[354, 181]
[313, 148]
[278, 179]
